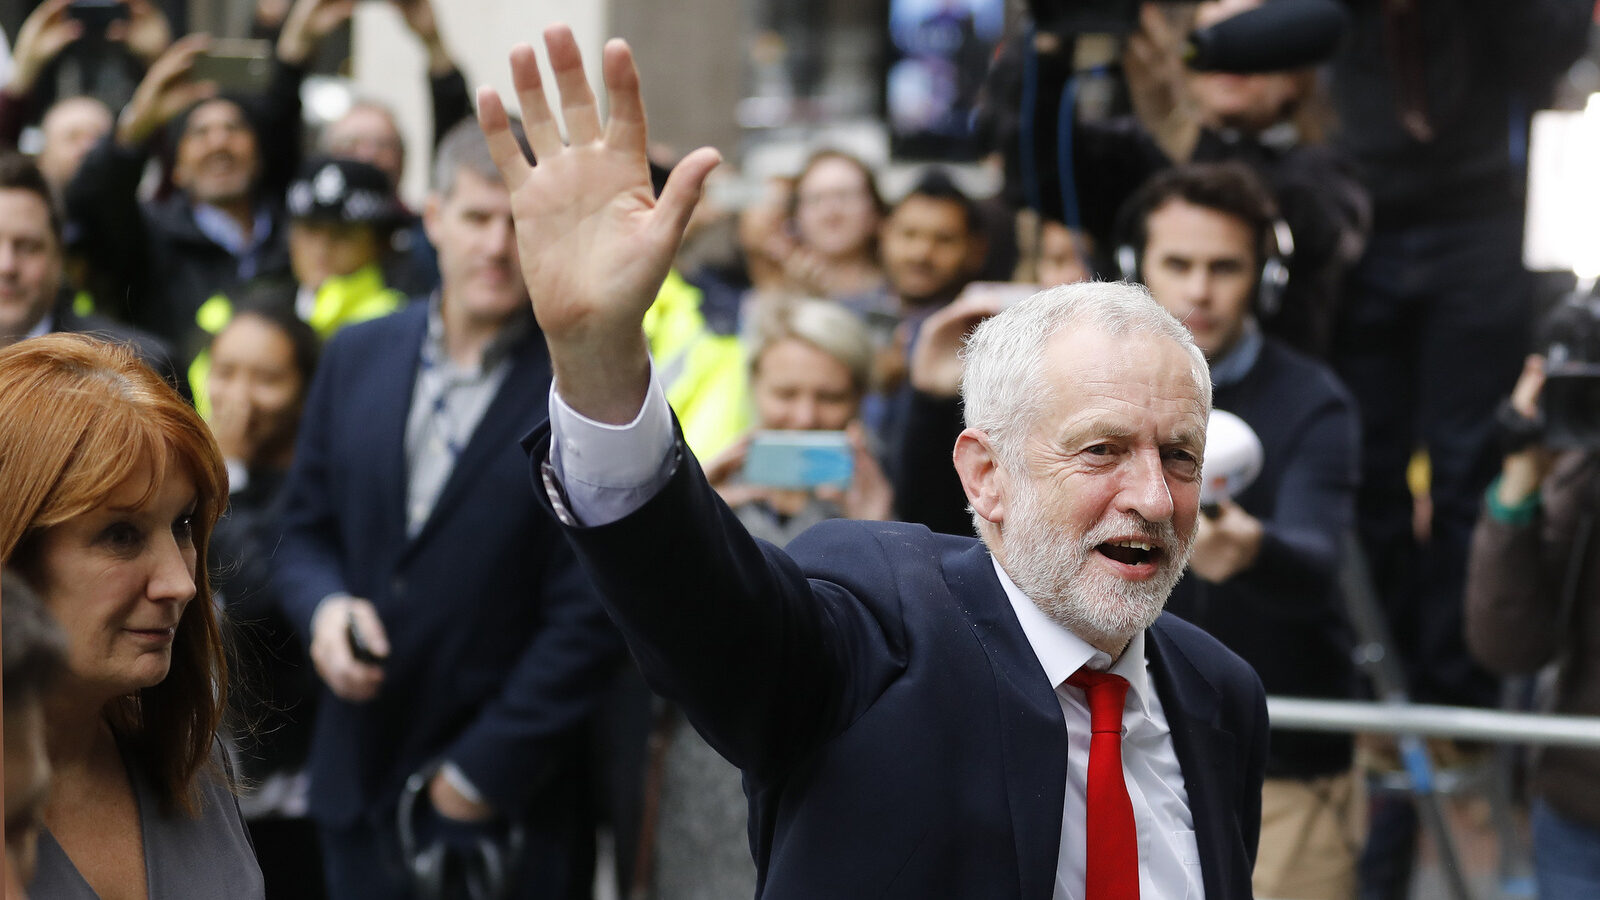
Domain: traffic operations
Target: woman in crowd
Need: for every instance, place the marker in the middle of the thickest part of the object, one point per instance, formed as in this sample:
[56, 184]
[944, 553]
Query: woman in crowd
[835, 214]
[809, 365]
[109, 487]
[261, 367]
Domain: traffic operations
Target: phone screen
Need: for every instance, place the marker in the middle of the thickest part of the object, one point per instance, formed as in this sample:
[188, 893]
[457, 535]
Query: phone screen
[799, 459]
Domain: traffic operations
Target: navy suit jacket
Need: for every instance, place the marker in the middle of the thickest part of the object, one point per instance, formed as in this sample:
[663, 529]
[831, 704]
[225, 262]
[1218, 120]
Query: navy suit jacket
[498, 646]
[897, 733]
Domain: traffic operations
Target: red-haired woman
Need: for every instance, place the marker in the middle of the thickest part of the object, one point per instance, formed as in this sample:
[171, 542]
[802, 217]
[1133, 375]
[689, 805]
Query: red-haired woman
[109, 487]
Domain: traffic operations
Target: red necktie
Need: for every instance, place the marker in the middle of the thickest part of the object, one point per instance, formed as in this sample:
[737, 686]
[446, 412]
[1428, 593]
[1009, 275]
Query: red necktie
[1111, 862]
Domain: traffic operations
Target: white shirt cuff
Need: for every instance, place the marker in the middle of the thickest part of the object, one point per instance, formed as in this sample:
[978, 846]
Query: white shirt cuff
[609, 471]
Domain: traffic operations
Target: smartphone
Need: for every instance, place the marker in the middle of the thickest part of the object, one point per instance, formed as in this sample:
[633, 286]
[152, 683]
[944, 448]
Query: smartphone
[799, 459]
[97, 15]
[358, 645]
[236, 66]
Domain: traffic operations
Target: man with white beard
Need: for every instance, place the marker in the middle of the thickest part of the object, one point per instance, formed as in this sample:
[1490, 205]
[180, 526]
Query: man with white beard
[916, 715]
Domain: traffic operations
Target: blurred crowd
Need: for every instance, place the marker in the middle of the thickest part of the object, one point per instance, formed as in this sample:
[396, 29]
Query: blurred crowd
[423, 696]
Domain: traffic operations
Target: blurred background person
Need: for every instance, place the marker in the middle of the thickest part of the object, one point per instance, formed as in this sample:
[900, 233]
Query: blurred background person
[369, 133]
[109, 488]
[340, 215]
[69, 129]
[60, 57]
[156, 262]
[460, 646]
[809, 366]
[835, 218]
[1533, 578]
[34, 299]
[262, 362]
[1263, 578]
[35, 654]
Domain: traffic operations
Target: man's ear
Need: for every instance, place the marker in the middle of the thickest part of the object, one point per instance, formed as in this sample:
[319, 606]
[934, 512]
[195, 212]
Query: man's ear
[430, 215]
[982, 477]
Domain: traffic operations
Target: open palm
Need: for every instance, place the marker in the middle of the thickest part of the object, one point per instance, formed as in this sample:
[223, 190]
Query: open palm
[595, 244]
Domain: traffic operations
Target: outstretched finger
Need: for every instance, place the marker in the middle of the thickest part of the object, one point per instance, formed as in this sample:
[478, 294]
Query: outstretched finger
[537, 123]
[625, 127]
[503, 147]
[578, 107]
[682, 193]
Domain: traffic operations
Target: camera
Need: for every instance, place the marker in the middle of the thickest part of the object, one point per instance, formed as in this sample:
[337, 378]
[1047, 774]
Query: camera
[1570, 338]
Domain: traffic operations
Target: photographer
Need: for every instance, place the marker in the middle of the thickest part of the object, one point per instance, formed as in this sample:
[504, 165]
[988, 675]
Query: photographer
[1532, 580]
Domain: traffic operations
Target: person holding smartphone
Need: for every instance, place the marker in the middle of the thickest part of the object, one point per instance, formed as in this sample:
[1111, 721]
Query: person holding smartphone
[809, 370]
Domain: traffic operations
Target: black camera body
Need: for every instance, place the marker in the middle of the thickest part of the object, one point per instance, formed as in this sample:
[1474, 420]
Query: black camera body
[1570, 401]
[1115, 17]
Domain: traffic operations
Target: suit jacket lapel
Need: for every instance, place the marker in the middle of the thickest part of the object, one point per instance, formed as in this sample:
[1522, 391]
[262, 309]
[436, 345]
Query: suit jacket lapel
[1204, 749]
[1033, 737]
[385, 413]
[507, 418]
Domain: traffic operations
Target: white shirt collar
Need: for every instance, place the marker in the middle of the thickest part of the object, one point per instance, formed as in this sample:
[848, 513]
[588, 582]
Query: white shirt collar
[1062, 653]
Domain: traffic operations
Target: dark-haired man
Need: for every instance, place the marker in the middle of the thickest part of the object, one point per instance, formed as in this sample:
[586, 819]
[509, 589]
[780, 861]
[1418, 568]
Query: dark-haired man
[932, 245]
[154, 263]
[33, 300]
[1263, 577]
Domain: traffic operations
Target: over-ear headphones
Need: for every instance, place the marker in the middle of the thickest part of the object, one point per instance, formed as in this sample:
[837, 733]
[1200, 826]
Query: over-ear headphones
[1276, 249]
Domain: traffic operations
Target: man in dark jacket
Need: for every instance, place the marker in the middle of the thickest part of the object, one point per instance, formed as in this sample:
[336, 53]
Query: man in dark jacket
[33, 301]
[154, 263]
[1263, 577]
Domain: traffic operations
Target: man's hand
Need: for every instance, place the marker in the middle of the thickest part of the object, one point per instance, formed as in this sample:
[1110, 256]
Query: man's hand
[44, 34]
[236, 424]
[1525, 470]
[165, 92]
[936, 365]
[308, 22]
[452, 804]
[595, 244]
[870, 497]
[347, 677]
[1158, 86]
[1226, 545]
[146, 32]
[420, 18]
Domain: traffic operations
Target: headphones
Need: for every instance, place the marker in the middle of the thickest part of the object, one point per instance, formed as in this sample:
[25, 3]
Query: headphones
[1277, 252]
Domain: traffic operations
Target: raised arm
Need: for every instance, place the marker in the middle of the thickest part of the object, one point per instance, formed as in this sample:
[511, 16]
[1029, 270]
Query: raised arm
[595, 243]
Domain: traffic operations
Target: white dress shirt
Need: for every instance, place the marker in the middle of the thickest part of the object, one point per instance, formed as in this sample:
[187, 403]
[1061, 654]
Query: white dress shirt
[1169, 861]
[606, 472]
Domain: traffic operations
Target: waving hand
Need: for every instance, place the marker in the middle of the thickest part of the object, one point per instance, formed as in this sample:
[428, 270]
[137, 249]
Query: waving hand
[595, 244]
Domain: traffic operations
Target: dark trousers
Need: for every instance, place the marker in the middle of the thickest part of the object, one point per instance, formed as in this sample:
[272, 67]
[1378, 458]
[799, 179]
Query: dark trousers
[1435, 324]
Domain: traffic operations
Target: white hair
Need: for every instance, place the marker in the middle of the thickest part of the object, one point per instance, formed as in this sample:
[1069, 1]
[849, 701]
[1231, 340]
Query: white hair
[1003, 390]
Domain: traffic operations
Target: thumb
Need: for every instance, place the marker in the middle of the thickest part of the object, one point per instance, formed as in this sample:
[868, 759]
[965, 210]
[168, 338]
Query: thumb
[682, 193]
[371, 628]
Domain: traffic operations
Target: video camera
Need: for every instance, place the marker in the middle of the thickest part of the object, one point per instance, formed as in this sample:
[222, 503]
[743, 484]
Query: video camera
[1570, 403]
[1279, 35]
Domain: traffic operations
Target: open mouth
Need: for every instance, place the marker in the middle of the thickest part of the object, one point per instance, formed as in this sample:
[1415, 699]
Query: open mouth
[1130, 552]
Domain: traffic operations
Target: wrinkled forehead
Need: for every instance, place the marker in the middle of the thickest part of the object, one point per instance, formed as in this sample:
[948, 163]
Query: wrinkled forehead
[1142, 378]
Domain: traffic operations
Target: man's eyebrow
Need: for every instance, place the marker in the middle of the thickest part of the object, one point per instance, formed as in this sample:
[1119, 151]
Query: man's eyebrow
[1097, 429]
[1188, 438]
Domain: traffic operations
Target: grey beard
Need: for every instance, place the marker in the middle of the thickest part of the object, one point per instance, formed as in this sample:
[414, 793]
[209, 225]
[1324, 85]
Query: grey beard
[1096, 606]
